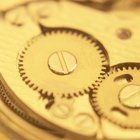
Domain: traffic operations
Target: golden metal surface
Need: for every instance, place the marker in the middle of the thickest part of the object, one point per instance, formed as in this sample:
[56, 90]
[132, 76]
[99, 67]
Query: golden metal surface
[114, 108]
[62, 62]
[129, 96]
[55, 77]
[81, 45]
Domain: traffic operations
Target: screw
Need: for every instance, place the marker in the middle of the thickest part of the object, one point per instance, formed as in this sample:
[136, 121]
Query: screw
[61, 110]
[130, 96]
[15, 18]
[84, 121]
[62, 62]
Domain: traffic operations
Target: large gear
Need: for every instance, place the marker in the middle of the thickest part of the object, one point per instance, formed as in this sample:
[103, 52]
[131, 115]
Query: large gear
[117, 98]
[88, 55]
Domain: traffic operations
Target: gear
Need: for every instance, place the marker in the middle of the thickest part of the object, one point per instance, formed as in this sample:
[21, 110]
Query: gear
[117, 98]
[63, 61]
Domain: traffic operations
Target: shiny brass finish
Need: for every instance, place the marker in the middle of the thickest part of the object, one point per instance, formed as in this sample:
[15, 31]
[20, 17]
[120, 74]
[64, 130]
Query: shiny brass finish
[63, 70]
[77, 62]
[62, 62]
[130, 96]
[121, 107]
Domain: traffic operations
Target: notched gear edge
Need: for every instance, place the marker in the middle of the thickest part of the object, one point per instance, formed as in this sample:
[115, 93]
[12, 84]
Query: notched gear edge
[93, 95]
[48, 31]
[12, 104]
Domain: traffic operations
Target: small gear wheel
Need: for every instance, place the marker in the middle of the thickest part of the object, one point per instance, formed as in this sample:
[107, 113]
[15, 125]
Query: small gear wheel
[63, 61]
[117, 98]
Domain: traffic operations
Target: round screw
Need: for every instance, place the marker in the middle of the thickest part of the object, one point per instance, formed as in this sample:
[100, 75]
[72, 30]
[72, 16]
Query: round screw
[15, 18]
[62, 62]
[130, 96]
[84, 121]
[61, 110]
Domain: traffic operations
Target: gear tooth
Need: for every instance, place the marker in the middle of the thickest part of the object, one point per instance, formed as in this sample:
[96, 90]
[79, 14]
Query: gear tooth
[121, 68]
[92, 42]
[43, 95]
[31, 85]
[85, 90]
[22, 74]
[23, 52]
[76, 95]
[80, 93]
[93, 85]
[130, 68]
[41, 91]
[20, 65]
[20, 61]
[24, 78]
[81, 35]
[69, 32]
[96, 101]
[49, 93]
[50, 32]
[27, 81]
[117, 70]
[21, 56]
[25, 48]
[63, 96]
[69, 96]
[90, 89]
[88, 38]
[104, 60]
[101, 53]
[53, 32]
[35, 88]
[136, 68]
[104, 70]
[96, 88]
[46, 34]
[21, 69]
[125, 68]
[96, 108]
[29, 43]
[78, 34]
[100, 79]
[52, 95]
[98, 49]
[102, 73]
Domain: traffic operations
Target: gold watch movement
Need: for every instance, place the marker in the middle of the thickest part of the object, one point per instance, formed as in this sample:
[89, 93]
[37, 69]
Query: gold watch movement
[69, 69]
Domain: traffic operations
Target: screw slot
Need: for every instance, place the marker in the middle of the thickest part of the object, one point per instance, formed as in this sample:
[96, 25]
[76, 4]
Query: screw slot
[62, 62]
[130, 96]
